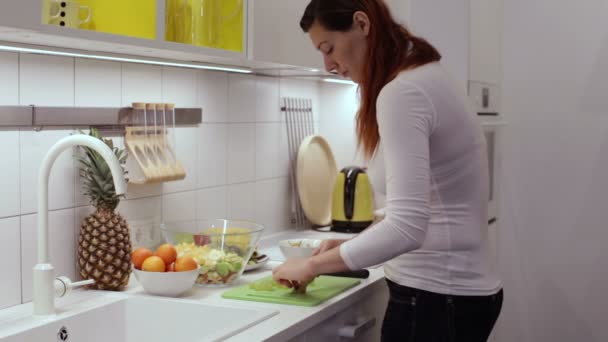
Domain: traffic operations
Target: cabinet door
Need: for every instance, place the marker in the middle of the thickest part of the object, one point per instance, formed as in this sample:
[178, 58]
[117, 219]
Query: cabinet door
[275, 35]
[360, 322]
[485, 48]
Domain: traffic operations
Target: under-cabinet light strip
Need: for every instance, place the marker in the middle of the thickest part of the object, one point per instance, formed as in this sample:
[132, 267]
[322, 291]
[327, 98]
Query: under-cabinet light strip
[335, 80]
[121, 59]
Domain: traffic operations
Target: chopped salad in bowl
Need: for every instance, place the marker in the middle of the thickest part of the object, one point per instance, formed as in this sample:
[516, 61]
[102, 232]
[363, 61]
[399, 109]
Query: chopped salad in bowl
[221, 247]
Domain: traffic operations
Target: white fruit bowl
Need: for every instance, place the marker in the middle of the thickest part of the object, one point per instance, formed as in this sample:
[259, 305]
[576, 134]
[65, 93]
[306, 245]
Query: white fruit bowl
[168, 284]
[298, 247]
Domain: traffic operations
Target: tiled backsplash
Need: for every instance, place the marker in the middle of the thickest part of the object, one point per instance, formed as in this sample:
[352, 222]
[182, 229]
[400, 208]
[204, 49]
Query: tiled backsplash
[237, 160]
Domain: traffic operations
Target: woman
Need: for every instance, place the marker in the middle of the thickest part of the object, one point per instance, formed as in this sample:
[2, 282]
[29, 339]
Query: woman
[414, 123]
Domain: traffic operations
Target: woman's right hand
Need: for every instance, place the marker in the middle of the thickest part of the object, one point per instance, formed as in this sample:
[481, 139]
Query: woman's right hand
[327, 245]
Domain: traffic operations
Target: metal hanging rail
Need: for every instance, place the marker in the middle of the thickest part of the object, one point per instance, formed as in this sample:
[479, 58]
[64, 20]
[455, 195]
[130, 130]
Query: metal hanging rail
[39, 117]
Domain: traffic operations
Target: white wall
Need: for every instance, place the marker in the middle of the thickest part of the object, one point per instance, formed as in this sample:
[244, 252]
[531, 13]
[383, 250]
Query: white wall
[339, 104]
[445, 24]
[554, 223]
[236, 161]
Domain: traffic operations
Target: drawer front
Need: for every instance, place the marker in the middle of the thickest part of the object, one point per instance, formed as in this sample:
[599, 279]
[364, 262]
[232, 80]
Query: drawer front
[360, 322]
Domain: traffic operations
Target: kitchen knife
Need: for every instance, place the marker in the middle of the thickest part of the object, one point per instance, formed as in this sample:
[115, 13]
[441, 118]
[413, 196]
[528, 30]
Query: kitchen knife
[361, 274]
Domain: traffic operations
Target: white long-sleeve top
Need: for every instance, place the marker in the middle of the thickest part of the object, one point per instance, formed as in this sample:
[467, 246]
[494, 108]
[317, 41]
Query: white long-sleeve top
[432, 168]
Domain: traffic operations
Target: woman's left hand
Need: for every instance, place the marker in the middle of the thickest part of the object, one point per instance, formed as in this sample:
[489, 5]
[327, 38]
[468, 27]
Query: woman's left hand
[297, 271]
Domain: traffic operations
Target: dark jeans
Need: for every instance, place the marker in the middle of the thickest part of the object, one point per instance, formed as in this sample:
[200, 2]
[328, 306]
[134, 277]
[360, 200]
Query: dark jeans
[414, 315]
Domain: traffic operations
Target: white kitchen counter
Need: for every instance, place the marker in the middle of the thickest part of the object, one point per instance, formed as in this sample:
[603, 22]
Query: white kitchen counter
[291, 320]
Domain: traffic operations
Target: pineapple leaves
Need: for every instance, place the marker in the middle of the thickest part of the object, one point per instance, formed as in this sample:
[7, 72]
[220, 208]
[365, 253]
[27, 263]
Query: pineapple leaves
[98, 183]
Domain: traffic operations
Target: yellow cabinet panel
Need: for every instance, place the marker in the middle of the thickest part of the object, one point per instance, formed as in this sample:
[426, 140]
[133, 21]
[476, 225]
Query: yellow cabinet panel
[133, 18]
[209, 23]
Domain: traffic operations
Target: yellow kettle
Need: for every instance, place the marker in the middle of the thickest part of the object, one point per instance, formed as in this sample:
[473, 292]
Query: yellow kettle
[352, 201]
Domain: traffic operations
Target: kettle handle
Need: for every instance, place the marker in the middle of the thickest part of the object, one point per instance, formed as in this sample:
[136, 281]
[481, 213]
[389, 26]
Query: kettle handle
[350, 174]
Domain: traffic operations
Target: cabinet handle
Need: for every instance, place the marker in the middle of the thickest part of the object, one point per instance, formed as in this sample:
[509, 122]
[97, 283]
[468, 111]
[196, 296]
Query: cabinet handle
[354, 331]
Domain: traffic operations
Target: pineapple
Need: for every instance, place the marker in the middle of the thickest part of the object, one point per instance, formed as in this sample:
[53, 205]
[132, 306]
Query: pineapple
[104, 244]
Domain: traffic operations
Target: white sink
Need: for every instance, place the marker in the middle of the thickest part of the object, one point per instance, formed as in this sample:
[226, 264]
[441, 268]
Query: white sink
[122, 318]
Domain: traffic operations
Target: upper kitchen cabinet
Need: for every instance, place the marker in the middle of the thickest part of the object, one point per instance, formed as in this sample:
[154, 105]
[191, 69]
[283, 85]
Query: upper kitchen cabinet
[217, 24]
[211, 31]
[485, 41]
[275, 35]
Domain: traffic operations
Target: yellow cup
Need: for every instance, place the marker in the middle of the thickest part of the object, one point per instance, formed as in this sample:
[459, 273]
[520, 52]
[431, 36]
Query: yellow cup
[134, 18]
[217, 23]
[180, 19]
[65, 13]
[231, 26]
[210, 23]
[207, 23]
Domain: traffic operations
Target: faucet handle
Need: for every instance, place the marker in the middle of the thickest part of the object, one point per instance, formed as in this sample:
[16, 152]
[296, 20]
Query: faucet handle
[64, 285]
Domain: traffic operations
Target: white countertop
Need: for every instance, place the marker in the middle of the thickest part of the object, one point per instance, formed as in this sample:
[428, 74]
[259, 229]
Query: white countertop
[289, 321]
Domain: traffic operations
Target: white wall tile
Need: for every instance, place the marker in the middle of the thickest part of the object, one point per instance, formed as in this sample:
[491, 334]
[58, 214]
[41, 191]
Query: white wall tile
[339, 106]
[211, 203]
[143, 217]
[141, 208]
[98, 83]
[9, 74]
[301, 89]
[241, 199]
[187, 144]
[141, 83]
[267, 99]
[10, 286]
[33, 147]
[9, 182]
[179, 206]
[213, 155]
[46, 80]
[272, 205]
[268, 146]
[241, 98]
[62, 247]
[135, 191]
[213, 95]
[180, 86]
[241, 153]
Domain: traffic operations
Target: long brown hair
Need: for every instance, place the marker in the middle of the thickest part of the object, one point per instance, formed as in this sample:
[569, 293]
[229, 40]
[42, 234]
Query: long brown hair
[392, 49]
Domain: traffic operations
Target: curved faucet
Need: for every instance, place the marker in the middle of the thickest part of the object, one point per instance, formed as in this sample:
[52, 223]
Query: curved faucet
[44, 273]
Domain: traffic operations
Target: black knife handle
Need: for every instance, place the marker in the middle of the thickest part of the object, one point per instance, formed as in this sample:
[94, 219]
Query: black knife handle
[361, 274]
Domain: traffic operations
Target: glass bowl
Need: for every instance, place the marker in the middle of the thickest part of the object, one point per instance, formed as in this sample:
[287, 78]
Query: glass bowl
[221, 247]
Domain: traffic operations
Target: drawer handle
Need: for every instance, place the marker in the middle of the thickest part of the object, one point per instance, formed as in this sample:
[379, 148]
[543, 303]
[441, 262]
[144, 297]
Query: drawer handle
[354, 331]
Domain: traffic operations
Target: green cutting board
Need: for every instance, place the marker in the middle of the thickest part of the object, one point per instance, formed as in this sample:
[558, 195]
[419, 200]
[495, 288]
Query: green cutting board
[323, 288]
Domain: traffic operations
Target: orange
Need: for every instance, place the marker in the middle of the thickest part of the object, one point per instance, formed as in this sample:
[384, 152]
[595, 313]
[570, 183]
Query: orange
[139, 255]
[167, 252]
[171, 268]
[185, 263]
[153, 264]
